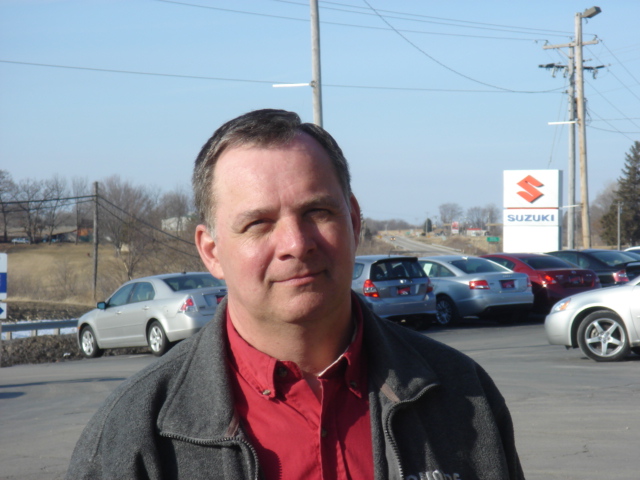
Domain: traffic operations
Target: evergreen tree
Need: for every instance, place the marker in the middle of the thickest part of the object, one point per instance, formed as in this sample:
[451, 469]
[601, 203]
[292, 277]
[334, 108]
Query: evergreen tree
[628, 193]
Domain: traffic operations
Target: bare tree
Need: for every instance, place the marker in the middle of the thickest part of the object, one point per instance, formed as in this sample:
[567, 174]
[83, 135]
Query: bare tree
[450, 212]
[30, 195]
[80, 188]
[174, 209]
[7, 193]
[55, 192]
[128, 220]
[476, 217]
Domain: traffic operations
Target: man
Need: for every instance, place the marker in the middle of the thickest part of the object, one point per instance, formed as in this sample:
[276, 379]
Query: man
[295, 378]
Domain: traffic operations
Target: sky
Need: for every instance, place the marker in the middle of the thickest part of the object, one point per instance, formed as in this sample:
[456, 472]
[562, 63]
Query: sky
[430, 101]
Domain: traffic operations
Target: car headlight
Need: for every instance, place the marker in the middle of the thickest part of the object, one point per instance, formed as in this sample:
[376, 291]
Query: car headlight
[561, 305]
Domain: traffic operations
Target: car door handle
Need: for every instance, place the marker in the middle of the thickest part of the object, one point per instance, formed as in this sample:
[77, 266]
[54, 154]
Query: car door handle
[146, 307]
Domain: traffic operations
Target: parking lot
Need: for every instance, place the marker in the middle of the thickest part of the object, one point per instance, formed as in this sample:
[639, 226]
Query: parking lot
[574, 418]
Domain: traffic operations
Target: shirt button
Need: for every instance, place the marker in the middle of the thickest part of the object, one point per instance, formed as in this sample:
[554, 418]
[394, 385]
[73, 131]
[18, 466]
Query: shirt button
[353, 384]
[266, 392]
[282, 372]
[323, 433]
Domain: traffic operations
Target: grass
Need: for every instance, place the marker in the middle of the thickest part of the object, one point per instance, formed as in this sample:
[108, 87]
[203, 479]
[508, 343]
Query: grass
[60, 272]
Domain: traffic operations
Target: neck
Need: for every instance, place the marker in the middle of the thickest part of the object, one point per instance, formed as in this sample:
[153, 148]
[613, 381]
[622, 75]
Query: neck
[312, 345]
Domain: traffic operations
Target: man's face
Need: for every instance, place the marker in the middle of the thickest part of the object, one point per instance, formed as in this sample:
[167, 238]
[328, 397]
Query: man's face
[285, 236]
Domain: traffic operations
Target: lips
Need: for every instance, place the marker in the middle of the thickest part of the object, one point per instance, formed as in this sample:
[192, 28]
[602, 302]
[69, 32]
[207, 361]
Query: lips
[300, 278]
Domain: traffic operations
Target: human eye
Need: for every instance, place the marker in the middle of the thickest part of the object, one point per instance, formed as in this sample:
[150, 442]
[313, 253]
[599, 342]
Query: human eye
[257, 226]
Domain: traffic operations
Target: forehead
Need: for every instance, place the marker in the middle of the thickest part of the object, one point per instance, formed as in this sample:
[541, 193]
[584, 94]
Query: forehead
[301, 158]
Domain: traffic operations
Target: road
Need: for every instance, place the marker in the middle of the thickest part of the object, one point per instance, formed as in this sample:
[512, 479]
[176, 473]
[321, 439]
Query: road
[417, 247]
[575, 419]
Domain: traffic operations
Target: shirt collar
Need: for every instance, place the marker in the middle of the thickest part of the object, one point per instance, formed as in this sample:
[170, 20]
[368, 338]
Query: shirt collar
[264, 373]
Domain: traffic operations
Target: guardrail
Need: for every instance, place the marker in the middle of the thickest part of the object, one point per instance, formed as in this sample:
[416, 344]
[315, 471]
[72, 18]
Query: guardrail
[34, 327]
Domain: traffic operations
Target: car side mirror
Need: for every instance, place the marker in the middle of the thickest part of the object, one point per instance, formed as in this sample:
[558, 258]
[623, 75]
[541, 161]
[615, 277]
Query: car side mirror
[102, 305]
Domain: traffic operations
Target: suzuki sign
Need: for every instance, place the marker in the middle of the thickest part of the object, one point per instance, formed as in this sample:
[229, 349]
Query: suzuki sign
[532, 218]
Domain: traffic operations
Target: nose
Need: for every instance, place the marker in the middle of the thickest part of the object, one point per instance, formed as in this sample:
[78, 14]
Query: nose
[294, 238]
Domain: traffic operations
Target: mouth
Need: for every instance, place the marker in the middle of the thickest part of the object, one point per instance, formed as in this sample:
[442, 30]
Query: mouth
[300, 279]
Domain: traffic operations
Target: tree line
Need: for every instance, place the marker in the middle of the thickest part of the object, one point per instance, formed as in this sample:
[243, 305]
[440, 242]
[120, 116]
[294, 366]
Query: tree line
[131, 218]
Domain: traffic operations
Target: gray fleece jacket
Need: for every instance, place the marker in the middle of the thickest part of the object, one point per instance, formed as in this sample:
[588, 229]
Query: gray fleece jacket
[435, 415]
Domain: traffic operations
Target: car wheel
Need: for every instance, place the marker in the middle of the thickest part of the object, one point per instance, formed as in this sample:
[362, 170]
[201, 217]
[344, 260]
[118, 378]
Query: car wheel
[157, 339]
[636, 350]
[446, 311]
[88, 343]
[602, 337]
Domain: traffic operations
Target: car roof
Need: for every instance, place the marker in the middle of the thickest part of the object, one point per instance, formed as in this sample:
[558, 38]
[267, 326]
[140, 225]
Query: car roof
[518, 255]
[375, 258]
[162, 276]
[449, 258]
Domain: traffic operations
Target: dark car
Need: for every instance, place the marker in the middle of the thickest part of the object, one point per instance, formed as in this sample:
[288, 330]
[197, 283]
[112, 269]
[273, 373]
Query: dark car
[552, 278]
[612, 266]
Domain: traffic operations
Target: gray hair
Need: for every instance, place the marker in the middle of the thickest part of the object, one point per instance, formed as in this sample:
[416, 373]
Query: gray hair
[260, 128]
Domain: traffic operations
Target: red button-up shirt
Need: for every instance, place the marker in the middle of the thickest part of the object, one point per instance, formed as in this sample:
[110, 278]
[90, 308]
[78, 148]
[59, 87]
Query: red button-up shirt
[297, 436]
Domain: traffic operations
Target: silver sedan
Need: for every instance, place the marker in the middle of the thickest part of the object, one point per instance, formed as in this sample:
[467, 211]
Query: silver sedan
[467, 286]
[155, 311]
[604, 324]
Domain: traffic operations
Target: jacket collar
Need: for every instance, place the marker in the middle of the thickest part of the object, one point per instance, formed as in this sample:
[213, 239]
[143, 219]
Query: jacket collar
[199, 403]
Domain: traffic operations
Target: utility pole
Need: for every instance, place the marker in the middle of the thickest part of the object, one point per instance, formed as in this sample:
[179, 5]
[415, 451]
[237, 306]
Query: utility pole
[571, 220]
[619, 211]
[577, 82]
[95, 240]
[316, 82]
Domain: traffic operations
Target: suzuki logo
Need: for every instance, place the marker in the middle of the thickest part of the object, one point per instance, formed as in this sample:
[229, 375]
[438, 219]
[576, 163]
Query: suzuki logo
[528, 184]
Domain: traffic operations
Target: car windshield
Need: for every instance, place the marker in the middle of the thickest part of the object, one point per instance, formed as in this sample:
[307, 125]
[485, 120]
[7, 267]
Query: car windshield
[193, 281]
[392, 269]
[542, 263]
[613, 258]
[478, 265]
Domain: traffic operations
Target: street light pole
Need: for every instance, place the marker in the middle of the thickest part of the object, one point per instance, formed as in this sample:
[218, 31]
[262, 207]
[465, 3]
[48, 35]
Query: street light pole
[582, 131]
[316, 81]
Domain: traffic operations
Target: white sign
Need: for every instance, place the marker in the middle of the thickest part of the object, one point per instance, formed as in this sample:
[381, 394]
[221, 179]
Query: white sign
[532, 188]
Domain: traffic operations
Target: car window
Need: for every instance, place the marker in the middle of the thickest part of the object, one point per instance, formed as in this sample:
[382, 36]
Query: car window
[429, 268]
[193, 281]
[436, 270]
[121, 297]
[613, 259]
[477, 265]
[542, 263]
[357, 270]
[143, 292]
[569, 257]
[392, 269]
[504, 262]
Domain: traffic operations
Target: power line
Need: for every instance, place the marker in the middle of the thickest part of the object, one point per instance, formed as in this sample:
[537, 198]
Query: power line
[446, 66]
[419, 18]
[270, 82]
[341, 24]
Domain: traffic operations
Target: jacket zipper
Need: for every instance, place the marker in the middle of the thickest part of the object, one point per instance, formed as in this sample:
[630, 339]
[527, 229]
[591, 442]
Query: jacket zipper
[210, 443]
[387, 426]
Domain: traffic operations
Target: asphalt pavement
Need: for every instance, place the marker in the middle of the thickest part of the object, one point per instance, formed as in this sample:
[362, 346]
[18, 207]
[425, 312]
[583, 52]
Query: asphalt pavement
[575, 419]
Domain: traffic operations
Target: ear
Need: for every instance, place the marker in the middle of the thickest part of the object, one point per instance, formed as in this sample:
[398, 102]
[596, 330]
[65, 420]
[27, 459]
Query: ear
[208, 251]
[356, 218]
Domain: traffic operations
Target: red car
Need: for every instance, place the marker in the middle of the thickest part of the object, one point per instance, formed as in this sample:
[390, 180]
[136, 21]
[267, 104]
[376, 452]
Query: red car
[552, 278]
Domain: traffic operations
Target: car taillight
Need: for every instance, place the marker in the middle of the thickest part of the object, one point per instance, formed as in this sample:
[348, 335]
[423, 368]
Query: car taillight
[620, 276]
[478, 285]
[548, 280]
[188, 305]
[429, 286]
[369, 289]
